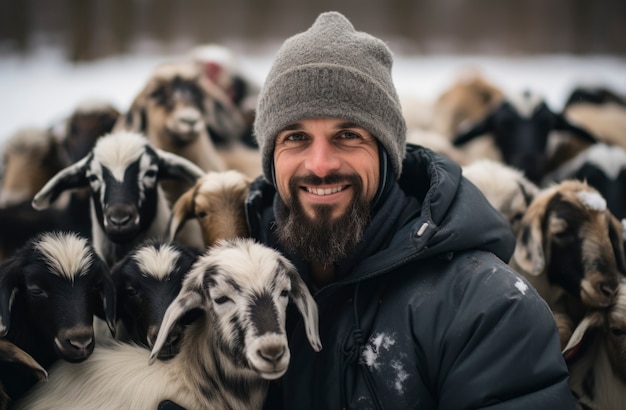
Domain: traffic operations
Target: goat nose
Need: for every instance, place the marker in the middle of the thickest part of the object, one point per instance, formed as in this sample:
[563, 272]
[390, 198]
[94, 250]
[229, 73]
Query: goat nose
[188, 121]
[120, 215]
[607, 289]
[272, 354]
[80, 342]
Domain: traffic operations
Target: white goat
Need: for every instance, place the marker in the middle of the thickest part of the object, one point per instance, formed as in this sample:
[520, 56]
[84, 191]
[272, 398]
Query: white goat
[128, 206]
[596, 356]
[239, 290]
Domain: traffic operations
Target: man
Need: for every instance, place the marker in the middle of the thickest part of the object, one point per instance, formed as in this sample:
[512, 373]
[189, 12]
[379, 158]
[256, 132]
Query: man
[406, 259]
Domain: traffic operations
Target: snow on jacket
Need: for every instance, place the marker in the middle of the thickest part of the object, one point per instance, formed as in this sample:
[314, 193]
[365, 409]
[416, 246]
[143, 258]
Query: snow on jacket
[426, 313]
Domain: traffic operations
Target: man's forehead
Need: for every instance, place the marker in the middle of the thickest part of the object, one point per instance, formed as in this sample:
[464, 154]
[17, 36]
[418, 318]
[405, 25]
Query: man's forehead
[338, 124]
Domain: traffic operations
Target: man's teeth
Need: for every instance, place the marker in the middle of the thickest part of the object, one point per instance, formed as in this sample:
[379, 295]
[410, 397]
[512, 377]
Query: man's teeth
[324, 191]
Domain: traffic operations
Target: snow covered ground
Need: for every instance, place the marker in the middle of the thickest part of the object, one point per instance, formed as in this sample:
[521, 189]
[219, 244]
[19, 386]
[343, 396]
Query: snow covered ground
[41, 88]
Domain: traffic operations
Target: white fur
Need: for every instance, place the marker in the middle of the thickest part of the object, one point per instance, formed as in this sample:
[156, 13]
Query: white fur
[67, 255]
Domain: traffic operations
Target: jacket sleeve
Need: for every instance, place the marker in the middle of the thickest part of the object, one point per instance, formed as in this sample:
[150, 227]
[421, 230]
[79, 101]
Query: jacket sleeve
[500, 349]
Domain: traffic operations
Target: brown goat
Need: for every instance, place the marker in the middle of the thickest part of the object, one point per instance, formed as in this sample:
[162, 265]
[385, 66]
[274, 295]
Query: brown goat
[217, 200]
[31, 157]
[570, 248]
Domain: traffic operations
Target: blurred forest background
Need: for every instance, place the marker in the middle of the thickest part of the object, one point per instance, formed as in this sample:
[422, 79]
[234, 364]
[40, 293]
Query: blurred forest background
[91, 29]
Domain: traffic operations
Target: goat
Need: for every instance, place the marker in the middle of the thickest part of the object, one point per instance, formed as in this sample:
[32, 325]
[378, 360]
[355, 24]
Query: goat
[520, 126]
[147, 281]
[596, 356]
[236, 297]
[221, 67]
[506, 188]
[603, 167]
[49, 292]
[31, 156]
[20, 361]
[174, 110]
[123, 172]
[468, 100]
[570, 249]
[79, 132]
[217, 200]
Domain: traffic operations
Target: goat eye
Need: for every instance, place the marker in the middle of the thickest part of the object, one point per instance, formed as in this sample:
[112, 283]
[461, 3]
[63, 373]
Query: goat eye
[150, 173]
[284, 293]
[201, 214]
[618, 332]
[222, 299]
[131, 292]
[35, 291]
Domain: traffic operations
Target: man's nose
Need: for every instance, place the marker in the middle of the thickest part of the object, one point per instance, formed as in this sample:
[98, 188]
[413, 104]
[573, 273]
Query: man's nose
[322, 158]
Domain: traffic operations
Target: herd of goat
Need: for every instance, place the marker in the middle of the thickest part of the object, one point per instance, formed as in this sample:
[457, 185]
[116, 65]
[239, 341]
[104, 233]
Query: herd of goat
[127, 262]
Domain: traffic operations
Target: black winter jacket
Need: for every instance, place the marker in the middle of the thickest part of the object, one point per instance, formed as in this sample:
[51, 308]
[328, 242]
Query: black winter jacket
[426, 313]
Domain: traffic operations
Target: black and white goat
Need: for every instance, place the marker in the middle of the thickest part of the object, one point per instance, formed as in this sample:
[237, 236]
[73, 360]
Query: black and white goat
[570, 249]
[596, 356]
[128, 206]
[604, 168]
[520, 126]
[49, 292]
[237, 292]
[147, 280]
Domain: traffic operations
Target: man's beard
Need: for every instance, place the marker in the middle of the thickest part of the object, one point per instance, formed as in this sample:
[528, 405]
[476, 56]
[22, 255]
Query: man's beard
[323, 239]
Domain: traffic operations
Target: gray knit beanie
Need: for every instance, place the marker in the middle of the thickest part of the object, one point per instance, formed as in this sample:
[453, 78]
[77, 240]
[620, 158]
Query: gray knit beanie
[331, 70]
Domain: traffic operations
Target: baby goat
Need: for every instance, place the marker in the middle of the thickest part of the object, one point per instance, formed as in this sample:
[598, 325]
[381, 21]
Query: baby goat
[236, 298]
[570, 248]
[49, 292]
[147, 281]
[217, 200]
[128, 206]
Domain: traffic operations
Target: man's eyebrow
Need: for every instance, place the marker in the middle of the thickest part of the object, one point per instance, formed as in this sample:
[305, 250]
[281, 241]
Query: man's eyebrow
[292, 127]
[298, 126]
[347, 124]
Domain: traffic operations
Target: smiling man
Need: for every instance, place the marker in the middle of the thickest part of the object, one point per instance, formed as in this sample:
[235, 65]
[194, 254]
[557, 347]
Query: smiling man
[406, 258]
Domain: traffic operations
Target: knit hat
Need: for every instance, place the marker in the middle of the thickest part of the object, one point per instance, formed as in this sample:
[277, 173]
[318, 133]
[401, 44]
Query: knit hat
[331, 70]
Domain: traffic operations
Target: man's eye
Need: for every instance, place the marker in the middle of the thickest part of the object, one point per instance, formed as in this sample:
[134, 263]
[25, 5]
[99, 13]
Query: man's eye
[348, 135]
[296, 137]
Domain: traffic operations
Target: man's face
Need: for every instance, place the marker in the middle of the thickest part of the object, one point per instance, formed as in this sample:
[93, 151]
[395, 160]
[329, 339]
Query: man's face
[327, 173]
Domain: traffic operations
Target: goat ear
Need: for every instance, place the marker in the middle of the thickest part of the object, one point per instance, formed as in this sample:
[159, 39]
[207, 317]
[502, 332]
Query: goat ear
[589, 322]
[172, 166]
[135, 118]
[482, 127]
[616, 235]
[108, 296]
[67, 178]
[181, 212]
[11, 353]
[190, 297]
[562, 124]
[529, 246]
[9, 281]
[221, 115]
[306, 305]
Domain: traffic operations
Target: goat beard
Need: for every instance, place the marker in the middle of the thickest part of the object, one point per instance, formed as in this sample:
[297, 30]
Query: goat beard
[322, 239]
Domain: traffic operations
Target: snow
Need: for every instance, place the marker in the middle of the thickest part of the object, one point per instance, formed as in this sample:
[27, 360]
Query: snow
[42, 88]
